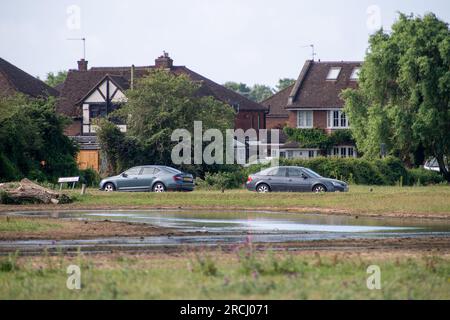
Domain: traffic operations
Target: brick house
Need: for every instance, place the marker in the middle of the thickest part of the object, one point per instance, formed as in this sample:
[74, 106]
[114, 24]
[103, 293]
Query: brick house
[14, 80]
[313, 101]
[91, 93]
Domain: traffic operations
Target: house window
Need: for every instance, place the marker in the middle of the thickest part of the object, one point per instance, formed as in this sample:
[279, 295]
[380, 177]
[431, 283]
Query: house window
[97, 110]
[355, 74]
[304, 119]
[337, 119]
[343, 152]
[290, 154]
[333, 74]
[350, 152]
[311, 153]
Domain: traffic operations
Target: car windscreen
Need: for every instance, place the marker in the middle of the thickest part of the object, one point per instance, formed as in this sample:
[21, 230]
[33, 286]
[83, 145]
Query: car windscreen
[312, 173]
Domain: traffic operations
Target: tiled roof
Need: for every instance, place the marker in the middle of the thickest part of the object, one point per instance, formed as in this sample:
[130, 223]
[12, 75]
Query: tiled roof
[313, 90]
[277, 103]
[79, 83]
[17, 80]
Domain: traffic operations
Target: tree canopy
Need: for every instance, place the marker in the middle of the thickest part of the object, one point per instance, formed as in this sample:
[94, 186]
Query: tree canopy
[257, 92]
[403, 95]
[32, 142]
[160, 103]
[54, 80]
[284, 83]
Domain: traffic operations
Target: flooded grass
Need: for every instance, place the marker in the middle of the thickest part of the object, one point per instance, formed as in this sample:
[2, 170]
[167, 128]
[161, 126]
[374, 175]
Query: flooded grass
[360, 199]
[231, 276]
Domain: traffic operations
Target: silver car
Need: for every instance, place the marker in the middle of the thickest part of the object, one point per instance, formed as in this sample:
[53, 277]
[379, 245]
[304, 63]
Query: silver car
[293, 179]
[149, 178]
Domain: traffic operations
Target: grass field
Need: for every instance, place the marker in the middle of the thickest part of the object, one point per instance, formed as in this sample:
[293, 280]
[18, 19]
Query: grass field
[218, 275]
[10, 224]
[361, 199]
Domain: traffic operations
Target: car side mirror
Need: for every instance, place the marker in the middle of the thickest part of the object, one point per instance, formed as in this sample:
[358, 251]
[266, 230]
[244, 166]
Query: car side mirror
[304, 176]
[124, 175]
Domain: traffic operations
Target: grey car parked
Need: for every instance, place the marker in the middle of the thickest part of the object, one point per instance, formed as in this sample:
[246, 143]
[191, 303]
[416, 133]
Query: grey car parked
[149, 178]
[294, 179]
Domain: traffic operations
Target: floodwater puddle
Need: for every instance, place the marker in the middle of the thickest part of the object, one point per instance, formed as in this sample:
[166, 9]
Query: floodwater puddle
[232, 227]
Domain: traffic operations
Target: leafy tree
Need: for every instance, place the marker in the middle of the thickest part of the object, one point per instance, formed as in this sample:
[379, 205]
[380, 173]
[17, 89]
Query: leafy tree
[284, 83]
[404, 90]
[54, 80]
[122, 151]
[260, 92]
[32, 142]
[240, 88]
[160, 103]
[257, 93]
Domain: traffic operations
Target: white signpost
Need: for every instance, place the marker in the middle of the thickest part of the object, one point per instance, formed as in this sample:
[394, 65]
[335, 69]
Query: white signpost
[72, 180]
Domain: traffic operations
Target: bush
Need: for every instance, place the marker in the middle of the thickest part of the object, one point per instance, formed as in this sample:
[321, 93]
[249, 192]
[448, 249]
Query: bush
[90, 177]
[222, 180]
[421, 176]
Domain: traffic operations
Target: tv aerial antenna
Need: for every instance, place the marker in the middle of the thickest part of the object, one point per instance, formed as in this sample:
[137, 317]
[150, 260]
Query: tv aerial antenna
[313, 52]
[84, 45]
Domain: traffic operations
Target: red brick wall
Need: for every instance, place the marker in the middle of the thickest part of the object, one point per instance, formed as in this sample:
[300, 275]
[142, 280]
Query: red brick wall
[73, 129]
[276, 123]
[320, 119]
[292, 122]
[249, 119]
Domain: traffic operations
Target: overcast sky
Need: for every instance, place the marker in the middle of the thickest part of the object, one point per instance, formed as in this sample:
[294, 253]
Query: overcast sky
[251, 41]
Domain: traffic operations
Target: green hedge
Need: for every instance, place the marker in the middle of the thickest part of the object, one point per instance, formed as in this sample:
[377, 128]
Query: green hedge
[424, 177]
[387, 171]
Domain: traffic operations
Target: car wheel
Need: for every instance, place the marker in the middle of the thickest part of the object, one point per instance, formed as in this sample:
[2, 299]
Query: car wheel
[109, 187]
[262, 188]
[319, 188]
[159, 187]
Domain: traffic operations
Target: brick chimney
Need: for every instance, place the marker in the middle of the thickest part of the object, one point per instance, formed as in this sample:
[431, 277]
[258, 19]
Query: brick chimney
[164, 61]
[82, 65]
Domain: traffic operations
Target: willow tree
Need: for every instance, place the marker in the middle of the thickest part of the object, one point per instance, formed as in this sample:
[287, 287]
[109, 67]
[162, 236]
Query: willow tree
[403, 95]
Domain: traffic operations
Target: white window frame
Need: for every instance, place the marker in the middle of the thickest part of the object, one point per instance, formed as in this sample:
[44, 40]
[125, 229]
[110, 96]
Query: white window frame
[343, 152]
[304, 123]
[341, 119]
[332, 71]
[355, 74]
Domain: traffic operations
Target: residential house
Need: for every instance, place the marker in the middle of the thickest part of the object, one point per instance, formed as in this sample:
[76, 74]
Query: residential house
[91, 93]
[14, 80]
[314, 102]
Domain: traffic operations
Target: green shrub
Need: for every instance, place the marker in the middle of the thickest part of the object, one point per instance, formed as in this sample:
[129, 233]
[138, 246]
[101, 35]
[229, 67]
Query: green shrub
[90, 177]
[222, 180]
[421, 176]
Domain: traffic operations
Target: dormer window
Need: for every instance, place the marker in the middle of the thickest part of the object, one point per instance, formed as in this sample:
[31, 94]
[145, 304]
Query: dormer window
[333, 74]
[355, 74]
